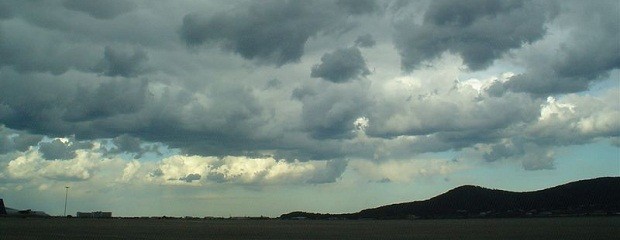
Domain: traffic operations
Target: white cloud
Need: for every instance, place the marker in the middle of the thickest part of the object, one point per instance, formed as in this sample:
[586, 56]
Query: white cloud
[241, 170]
[554, 109]
[31, 165]
[131, 168]
[576, 119]
[405, 170]
[481, 85]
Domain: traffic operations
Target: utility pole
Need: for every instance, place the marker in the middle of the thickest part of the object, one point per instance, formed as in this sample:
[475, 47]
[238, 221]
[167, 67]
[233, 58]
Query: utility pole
[66, 194]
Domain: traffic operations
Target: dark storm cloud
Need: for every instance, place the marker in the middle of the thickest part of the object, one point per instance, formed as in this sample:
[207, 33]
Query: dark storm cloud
[5, 144]
[270, 31]
[217, 125]
[58, 149]
[331, 113]
[65, 73]
[459, 13]
[107, 9]
[359, 6]
[110, 98]
[34, 50]
[479, 31]
[33, 103]
[11, 140]
[308, 148]
[465, 116]
[341, 66]
[587, 55]
[63, 106]
[191, 177]
[52, 35]
[365, 41]
[125, 143]
[24, 141]
[131, 145]
[301, 93]
[44, 37]
[332, 172]
[5, 11]
[109, 107]
[118, 62]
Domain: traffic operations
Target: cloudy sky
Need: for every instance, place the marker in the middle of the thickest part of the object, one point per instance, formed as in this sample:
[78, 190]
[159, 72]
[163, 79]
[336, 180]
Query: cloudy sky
[233, 108]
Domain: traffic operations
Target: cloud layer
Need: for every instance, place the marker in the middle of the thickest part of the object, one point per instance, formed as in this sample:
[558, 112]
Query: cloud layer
[199, 94]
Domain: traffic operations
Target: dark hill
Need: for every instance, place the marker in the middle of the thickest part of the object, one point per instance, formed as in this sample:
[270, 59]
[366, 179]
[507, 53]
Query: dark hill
[585, 197]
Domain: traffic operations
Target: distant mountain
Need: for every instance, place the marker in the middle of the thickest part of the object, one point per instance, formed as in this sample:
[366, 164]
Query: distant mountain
[600, 196]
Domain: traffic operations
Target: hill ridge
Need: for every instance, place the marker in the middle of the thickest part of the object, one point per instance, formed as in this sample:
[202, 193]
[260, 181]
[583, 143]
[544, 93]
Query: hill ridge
[600, 196]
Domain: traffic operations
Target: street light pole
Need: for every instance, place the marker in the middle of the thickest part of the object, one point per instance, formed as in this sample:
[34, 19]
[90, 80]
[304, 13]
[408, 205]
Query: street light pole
[66, 194]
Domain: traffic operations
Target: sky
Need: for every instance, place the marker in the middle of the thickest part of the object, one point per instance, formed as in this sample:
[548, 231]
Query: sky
[249, 108]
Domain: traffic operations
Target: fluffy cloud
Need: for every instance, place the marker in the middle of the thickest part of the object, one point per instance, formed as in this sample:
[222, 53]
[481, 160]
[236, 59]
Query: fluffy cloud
[273, 32]
[189, 169]
[531, 156]
[577, 119]
[341, 65]
[86, 164]
[31, 165]
[465, 111]
[436, 107]
[479, 32]
[130, 171]
[573, 120]
[585, 50]
[331, 111]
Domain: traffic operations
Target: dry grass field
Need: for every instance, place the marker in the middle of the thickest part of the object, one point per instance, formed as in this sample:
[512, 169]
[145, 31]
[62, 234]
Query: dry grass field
[536, 228]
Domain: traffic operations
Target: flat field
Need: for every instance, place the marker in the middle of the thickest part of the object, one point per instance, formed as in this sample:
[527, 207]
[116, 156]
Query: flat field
[531, 228]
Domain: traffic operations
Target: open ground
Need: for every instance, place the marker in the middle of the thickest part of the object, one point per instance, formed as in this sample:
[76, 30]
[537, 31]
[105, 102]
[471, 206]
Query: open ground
[533, 228]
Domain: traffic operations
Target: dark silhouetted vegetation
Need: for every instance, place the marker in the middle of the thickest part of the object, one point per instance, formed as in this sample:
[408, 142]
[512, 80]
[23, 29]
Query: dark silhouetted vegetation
[600, 196]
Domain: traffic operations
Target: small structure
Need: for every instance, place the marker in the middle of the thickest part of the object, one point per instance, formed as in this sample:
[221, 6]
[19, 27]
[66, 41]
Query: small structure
[2, 208]
[97, 214]
[10, 212]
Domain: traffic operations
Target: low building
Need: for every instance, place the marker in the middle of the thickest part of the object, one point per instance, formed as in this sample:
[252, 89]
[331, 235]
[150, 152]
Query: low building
[97, 214]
